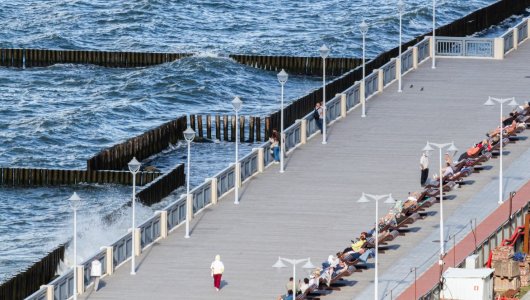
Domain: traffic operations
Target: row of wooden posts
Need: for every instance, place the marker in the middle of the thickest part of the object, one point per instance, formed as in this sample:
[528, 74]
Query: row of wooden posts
[23, 58]
[250, 127]
[162, 186]
[51, 177]
[335, 66]
[28, 281]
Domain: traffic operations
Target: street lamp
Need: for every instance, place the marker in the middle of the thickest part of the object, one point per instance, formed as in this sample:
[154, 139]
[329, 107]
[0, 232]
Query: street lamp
[453, 149]
[134, 167]
[75, 203]
[401, 9]
[324, 52]
[376, 198]
[237, 104]
[363, 27]
[308, 265]
[189, 135]
[501, 101]
[433, 50]
[282, 79]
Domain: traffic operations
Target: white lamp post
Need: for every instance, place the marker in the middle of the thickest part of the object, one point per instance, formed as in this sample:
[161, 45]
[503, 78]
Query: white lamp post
[282, 79]
[189, 135]
[453, 149]
[376, 198]
[294, 262]
[237, 104]
[363, 27]
[134, 167]
[324, 52]
[490, 102]
[433, 54]
[401, 9]
[75, 203]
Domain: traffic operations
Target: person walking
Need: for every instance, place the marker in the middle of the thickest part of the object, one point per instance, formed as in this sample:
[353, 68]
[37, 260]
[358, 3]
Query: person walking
[318, 114]
[217, 268]
[424, 165]
[95, 273]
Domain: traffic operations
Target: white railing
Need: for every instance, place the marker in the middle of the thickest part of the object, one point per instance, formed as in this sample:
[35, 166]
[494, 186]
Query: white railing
[466, 47]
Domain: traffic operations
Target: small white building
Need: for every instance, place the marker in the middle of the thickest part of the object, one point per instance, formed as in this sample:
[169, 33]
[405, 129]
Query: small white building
[468, 284]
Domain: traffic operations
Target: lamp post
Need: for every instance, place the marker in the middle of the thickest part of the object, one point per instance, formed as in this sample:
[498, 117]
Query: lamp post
[401, 9]
[376, 198]
[501, 101]
[324, 52]
[279, 264]
[433, 50]
[363, 27]
[189, 135]
[237, 104]
[75, 203]
[453, 149]
[282, 79]
[134, 167]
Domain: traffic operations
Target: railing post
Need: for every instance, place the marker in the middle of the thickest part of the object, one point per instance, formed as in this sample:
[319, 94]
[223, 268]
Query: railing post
[261, 159]
[110, 260]
[414, 57]
[431, 45]
[380, 80]
[498, 48]
[49, 291]
[362, 93]
[343, 105]
[515, 37]
[237, 173]
[189, 207]
[398, 68]
[376, 71]
[163, 223]
[80, 279]
[528, 28]
[303, 131]
[213, 188]
[138, 241]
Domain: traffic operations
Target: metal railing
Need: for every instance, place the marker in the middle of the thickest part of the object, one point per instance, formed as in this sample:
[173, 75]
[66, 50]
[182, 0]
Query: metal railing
[176, 212]
[292, 135]
[149, 230]
[423, 50]
[41, 294]
[505, 230]
[370, 83]
[202, 196]
[249, 165]
[353, 95]
[63, 286]
[406, 61]
[466, 47]
[508, 41]
[389, 72]
[225, 180]
[121, 249]
[522, 31]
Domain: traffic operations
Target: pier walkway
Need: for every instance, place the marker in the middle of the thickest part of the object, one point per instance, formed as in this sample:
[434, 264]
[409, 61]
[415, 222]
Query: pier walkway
[311, 209]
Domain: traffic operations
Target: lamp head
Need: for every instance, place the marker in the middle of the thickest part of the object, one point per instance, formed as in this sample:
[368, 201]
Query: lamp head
[363, 199]
[189, 134]
[513, 102]
[401, 6]
[363, 27]
[237, 104]
[134, 165]
[453, 148]
[489, 102]
[324, 51]
[308, 264]
[390, 200]
[279, 264]
[282, 76]
[75, 201]
[428, 147]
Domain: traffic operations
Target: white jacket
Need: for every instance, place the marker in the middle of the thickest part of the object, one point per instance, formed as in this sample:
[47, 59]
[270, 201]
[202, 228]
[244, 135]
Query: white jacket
[217, 267]
[95, 268]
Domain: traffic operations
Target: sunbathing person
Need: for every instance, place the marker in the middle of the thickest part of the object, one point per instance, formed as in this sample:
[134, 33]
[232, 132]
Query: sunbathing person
[356, 246]
[473, 151]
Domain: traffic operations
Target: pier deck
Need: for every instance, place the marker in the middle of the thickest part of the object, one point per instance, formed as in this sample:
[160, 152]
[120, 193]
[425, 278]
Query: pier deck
[311, 209]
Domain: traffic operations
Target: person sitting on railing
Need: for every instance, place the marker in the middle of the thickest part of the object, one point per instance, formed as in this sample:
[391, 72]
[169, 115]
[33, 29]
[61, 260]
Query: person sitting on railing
[275, 146]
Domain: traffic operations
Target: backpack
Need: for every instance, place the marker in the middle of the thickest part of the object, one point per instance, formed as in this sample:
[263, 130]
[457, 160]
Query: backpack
[316, 115]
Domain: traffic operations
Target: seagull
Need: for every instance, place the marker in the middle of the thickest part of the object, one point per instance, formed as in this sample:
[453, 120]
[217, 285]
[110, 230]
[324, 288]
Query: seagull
[411, 86]
[421, 89]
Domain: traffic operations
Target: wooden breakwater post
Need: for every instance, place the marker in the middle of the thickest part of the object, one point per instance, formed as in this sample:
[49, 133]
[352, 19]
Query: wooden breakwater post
[209, 127]
[233, 128]
[29, 281]
[162, 186]
[251, 127]
[141, 147]
[218, 127]
[199, 126]
[258, 129]
[225, 128]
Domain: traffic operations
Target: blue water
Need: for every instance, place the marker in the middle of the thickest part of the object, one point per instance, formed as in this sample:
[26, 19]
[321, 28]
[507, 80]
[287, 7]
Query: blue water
[59, 116]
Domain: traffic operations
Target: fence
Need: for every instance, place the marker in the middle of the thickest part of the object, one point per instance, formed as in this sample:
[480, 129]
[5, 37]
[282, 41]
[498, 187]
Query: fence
[28, 281]
[299, 65]
[23, 58]
[47, 177]
[149, 143]
[468, 47]
[162, 186]
[491, 242]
